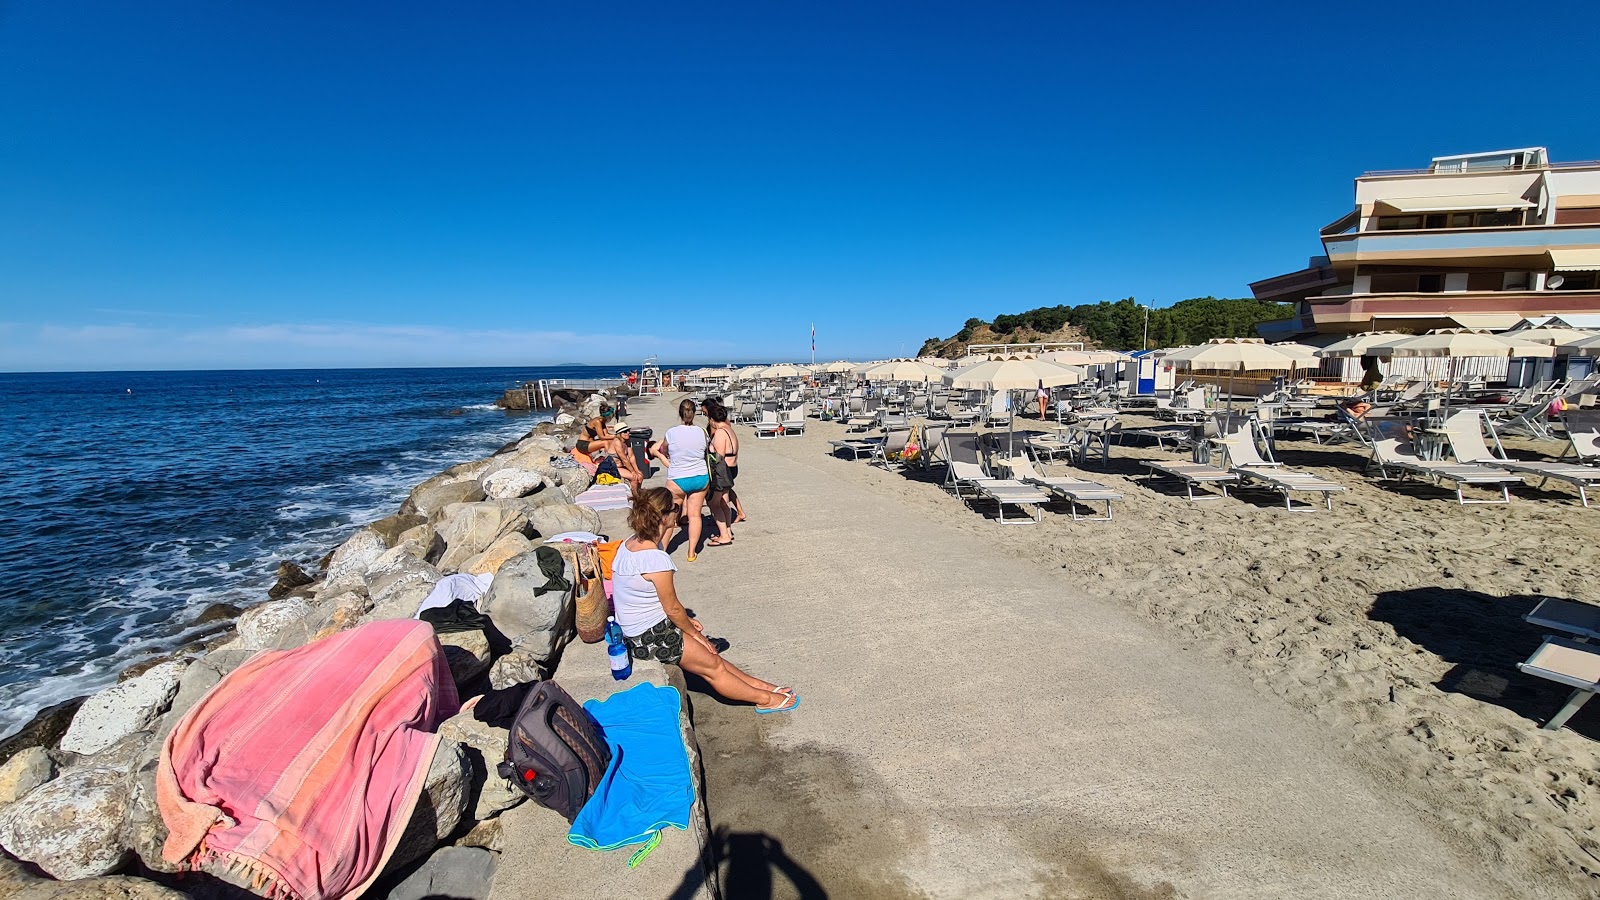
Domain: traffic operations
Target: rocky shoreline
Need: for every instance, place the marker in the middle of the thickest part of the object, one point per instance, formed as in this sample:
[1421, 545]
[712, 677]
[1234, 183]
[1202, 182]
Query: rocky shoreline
[77, 784]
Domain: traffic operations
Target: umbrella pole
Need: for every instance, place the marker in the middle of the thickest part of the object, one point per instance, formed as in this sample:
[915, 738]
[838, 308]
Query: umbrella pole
[1011, 426]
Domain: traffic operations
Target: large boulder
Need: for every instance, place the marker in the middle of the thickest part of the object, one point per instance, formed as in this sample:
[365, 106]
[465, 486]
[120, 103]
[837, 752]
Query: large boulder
[400, 570]
[440, 810]
[505, 548]
[469, 528]
[433, 495]
[485, 746]
[514, 601]
[340, 613]
[272, 625]
[510, 483]
[43, 730]
[70, 827]
[556, 519]
[460, 873]
[392, 527]
[24, 772]
[17, 883]
[290, 576]
[122, 709]
[350, 562]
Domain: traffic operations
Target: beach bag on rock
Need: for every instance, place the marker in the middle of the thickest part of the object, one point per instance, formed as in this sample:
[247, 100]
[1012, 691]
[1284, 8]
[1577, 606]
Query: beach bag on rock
[593, 608]
[556, 753]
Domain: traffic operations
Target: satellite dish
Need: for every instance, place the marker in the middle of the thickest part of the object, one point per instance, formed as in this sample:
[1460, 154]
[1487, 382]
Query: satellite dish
[1555, 281]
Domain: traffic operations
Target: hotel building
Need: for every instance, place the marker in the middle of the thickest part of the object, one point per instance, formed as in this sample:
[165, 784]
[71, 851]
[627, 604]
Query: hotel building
[1482, 240]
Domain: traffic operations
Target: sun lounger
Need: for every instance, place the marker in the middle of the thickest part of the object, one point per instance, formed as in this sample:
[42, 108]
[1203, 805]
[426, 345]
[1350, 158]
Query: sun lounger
[793, 421]
[889, 451]
[1569, 662]
[1464, 430]
[1583, 434]
[1574, 618]
[965, 471]
[768, 425]
[999, 408]
[1074, 490]
[1192, 474]
[1392, 451]
[856, 447]
[1245, 460]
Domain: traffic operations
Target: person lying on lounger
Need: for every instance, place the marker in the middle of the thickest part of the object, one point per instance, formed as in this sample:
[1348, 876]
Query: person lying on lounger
[654, 623]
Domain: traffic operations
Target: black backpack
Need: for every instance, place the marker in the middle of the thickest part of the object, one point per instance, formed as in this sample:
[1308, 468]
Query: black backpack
[556, 753]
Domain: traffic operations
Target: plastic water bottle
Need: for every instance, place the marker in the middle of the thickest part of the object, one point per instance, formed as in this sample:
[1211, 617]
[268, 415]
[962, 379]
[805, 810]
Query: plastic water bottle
[617, 650]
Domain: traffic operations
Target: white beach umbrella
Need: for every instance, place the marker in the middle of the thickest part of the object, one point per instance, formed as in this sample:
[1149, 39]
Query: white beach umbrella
[1553, 335]
[1013, 375]
[784, 370]
[939, 361]
[1234, 355]
[1586, 347]
[904, 370]
[1084, 357]
[1457, 343]
[837, 368]
[1360, 344]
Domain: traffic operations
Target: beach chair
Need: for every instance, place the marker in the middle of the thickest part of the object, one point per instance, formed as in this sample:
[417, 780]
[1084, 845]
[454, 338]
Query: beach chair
[965, 471]
[768, 426]
[863, 414]
[1049, 447]
[748, 413]
[1073, 490]
[1583, 434]
[1464, 430]
[998, 409]
[1392, 451]
[1569, 662]
[932, 446]
[938, 406]
[1237, 446]
[793, 421]
[889, 450]
[1192, 474]
[856, 447]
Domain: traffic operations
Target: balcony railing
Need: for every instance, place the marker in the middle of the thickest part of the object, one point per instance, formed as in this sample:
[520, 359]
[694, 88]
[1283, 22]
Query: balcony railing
[1429, 170]
[1458, 243]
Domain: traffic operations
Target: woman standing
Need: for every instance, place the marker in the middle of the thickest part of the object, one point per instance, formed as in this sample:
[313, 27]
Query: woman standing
[724, 468]
[654, 623]
[684, 449]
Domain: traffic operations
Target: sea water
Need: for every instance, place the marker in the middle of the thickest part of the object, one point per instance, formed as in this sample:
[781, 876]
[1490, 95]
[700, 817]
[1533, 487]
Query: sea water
[131, 501]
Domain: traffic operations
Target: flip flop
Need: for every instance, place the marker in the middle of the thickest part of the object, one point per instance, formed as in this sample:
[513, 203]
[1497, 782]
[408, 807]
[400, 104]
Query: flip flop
[716, 543]
[690, 558]
[793, 704]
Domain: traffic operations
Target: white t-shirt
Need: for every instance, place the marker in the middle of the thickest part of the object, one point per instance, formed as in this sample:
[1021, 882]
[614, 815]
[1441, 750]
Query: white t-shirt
[637, 604]
[686, 452]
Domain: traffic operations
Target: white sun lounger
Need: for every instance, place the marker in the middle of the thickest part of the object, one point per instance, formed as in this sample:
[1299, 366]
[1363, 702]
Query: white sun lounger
[793, 421]
[856, 447]
[768, 425]
[1074, 490]
[1192, 474]
[1569, 662]
[1245, 460]
[1464, 430]
[1390, 451]
[965, 470]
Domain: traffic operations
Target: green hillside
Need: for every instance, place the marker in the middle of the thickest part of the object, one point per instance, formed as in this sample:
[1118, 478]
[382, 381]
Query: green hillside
[1116, 325]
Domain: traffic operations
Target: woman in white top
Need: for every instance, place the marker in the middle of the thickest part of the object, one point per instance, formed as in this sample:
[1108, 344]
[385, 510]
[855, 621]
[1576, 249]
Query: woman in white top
[683, 448]
[654, 623]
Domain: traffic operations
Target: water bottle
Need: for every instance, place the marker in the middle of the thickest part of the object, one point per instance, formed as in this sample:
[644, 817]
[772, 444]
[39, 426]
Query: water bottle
[617, 650]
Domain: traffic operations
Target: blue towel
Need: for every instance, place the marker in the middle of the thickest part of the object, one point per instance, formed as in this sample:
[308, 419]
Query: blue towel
[647, 787]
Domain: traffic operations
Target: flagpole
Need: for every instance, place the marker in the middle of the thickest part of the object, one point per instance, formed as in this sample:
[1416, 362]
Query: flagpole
[813, 344]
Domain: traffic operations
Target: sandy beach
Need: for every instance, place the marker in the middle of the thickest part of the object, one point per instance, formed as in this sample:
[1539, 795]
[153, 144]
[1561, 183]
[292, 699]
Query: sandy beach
[1220, 699]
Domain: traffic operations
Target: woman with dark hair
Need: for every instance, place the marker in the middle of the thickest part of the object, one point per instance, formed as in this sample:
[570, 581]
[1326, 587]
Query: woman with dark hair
[725, 464]
[654, 623]
[596, 437]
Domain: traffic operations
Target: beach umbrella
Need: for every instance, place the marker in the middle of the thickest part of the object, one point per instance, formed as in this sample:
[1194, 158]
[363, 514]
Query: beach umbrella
[1084, 357]
[1360, 344]
[904, 370]
[1234, 355]
[939, 361]
[1013, 375]
[1457, 343]
[837, 368]
[784, 370]
[1553, 335]
[1586, 347]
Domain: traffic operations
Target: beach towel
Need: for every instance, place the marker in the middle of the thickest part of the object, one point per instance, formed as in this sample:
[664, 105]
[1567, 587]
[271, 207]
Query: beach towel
[602, 497]
[647, 787]
[297, 773]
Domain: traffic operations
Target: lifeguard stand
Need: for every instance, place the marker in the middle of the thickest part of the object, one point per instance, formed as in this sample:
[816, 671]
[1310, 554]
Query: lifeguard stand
[650, 377]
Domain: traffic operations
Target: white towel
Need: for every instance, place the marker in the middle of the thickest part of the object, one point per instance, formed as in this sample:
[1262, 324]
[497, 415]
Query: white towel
[451, 588]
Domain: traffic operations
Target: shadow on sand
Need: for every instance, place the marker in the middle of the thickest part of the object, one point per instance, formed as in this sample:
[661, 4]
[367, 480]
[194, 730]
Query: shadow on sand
[749, 863]
[1484, 637]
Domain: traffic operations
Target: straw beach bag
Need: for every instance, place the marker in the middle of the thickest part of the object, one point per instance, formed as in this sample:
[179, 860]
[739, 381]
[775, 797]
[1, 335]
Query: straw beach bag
[592, 604]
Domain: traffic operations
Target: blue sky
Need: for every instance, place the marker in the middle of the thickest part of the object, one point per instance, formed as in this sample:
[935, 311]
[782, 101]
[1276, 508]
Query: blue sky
[202, 184]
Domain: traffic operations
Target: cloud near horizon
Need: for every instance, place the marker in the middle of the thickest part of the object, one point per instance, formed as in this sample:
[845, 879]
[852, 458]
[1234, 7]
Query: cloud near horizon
[119, 346]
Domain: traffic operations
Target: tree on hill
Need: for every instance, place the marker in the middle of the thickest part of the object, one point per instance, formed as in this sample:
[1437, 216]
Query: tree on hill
[1120, 325]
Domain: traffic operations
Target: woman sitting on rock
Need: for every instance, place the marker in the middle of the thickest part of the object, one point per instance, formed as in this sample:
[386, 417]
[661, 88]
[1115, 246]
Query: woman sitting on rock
[596, 437]
[654, 623]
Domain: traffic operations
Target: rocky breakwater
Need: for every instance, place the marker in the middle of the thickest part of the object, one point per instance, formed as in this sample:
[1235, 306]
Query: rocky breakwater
[82, 812]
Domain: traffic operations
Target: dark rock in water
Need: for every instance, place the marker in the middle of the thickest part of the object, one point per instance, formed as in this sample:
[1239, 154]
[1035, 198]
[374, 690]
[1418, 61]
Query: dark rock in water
[458, 411]
[217, 612]
[139, 668]
[290, 576]
[514, 398]
[45, 730]
[322, 564]
[392, 527]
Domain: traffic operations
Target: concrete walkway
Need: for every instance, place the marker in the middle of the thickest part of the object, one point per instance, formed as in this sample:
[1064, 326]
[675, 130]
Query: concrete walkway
[970, 728]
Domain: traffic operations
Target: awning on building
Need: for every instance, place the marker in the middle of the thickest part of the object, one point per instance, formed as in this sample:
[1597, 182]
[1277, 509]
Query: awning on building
[1453, 202]
[1578, 201]
[1575, 260]
[1492, 321]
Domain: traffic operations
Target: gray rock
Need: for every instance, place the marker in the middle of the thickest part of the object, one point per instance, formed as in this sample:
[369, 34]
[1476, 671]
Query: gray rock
[261, 627]
[516, 607]
[290, 576]
[566, 419]
[392, 527]
[485, 746]
[18, 884]
[400, 571]
[469, 528]
[340, 613]
[350, 562]
[70, 827]
[43, 730]
[463, 873]
[433, 495]
[122, 709]
[24, 772]
[201, 676]
[508, 484]
[485, 834]
[440, 810]
[468, 654]
[505, 548]
[552, 520]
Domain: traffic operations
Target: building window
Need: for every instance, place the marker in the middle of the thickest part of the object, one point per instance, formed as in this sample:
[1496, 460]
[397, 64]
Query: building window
[1577, 281]
[1431, 283]
[1485, 281]
[1399, 223]
[1484, 219]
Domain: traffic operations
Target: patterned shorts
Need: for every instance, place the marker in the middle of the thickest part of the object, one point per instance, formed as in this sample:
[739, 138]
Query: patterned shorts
[662, 641]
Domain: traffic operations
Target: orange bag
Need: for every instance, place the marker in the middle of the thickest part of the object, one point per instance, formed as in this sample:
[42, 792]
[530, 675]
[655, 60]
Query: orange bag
[607, 553]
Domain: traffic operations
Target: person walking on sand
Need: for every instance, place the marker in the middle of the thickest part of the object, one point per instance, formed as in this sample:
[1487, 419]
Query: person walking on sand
[683, 449]
[725, 506]
[654, 623]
